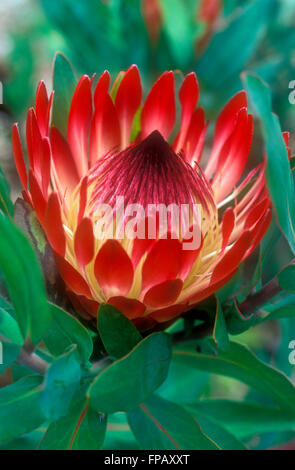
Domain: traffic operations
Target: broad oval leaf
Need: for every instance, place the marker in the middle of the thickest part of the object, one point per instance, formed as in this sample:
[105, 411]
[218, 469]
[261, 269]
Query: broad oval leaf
[20, 410]
[241, 364]
[244, 419]
[61, 381]
[81, 429]
[159, 424]
[64, 331]
[22, 273]
[133, 378]
[117, 333]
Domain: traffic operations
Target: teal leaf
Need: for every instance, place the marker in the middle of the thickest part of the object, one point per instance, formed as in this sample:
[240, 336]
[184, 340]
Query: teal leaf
[278, 172]
[61, 381]
[117, 333]
[244, 419]
[22, 273]
[6, 205]
[287, 278]
[64, 331]
[9, 328]
[64, 84]
[159, 424]
[81, 429]
[20, 410]
[220, 334]
[9, 353]
[133, 378]
[218, 433]
[241, 364]
[232, 47]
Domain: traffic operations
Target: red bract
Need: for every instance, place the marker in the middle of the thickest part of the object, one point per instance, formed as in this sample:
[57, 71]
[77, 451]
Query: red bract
[113, 148]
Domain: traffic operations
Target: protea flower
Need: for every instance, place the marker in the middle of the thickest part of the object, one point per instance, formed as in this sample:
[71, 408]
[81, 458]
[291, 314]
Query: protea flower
[207, 12]
[115, 147]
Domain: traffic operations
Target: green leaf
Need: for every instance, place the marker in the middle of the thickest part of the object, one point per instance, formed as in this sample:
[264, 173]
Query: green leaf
[220, 334]
[246, 419]
[82, 429]
[64, 84]
[179, 27]
[5, 202]
[287, 278]
[66, 330]
[117, 333]
[24, 280]
[20, 411]
[287, 311]
[119, 435]
[241, 364]
[61, 381]
[133, 378]
[219, 434]
[236, 322]
[28, 441]
[9, 352]
[278, 172]
[232, 47]
[9, 328]
[159, 424]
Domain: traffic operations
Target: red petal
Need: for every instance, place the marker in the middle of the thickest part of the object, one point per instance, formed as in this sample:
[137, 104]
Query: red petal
[45, 166]
[188, 96]
[233, 158]
[256, 213]
[224, 127]
[38, 199]
[231, 260]
[159, 108]
[102, 87]
[163, 294]
[128, 100]
[65, 166]
[19, 157]
[259, 230]
[82, 198]
[72, 278]
[131, 308]
[228, 223]
[79, 124]
[105, 132]
[195, 137]
[41, 105]
[84, 242]
[54, 226]
[113, 269]
[163, 263]
[34, 142]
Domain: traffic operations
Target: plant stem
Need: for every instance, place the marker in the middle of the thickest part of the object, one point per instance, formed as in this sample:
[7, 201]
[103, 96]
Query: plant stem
[258, 299]
[32, 361]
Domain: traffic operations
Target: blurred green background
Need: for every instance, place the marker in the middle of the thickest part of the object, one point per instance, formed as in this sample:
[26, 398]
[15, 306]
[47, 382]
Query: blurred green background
[255, 35]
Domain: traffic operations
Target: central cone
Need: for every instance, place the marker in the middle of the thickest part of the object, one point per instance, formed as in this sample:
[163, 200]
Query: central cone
[148, 173]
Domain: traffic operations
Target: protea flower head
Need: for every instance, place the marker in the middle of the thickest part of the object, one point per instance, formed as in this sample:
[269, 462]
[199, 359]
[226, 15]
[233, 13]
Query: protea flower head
[118, 149]
[206, 11]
